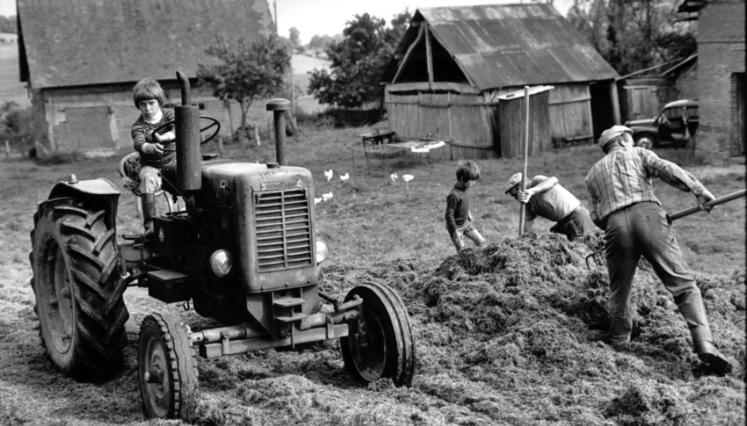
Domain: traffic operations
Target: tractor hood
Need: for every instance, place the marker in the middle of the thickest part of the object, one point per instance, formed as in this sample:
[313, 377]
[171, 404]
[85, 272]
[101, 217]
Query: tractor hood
[222, 178]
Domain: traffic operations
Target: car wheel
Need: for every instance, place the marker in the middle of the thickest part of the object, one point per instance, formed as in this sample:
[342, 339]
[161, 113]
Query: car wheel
[644, 141]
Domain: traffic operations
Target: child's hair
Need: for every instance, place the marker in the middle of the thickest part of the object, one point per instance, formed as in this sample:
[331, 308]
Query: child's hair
[147, 89]
[468, 171]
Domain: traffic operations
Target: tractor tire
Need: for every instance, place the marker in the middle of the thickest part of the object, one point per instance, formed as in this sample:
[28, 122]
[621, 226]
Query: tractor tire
[78, 289]
[167, 370]
[380, 341]
[644, 141]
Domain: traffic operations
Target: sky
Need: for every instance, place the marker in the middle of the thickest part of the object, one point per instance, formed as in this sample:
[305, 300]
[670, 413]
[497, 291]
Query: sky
[328, 17]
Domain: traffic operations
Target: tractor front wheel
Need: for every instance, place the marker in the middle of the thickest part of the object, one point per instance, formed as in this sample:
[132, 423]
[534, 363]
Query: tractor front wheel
[78, 288]
[380, 342]
[167, 370]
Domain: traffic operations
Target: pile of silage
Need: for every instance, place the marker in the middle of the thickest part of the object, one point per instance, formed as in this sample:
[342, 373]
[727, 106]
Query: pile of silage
[511, 333]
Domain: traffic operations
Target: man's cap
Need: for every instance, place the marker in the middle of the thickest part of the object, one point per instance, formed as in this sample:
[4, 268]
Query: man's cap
[514, 180]
[608, 135]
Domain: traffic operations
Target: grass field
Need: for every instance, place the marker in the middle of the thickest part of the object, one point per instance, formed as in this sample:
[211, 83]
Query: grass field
[506, 335]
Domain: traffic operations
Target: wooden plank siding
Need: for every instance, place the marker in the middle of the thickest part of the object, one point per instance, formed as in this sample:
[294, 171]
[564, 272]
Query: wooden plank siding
[641, 101]
[570, 114]
[464, 120]
[511, 118]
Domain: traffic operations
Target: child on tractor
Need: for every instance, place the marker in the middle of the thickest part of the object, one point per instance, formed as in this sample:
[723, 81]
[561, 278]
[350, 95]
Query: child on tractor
[458, 217]
[157, 150]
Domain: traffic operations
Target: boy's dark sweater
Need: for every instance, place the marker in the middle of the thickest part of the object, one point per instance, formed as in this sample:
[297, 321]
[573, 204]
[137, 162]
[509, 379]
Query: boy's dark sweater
[457, 207]
[141, 134]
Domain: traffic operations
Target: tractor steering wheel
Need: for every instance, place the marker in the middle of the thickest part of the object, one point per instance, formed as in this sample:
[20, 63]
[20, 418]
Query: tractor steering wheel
[212, 124]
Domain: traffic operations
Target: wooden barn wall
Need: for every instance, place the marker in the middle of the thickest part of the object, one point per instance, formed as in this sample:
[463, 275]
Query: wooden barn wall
[98, 120]
[462, 119]
[511, 125]
[570, 114]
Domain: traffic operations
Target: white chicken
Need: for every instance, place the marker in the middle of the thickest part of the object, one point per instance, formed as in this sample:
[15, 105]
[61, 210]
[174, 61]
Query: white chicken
[393, 177]
[327, 196]
[328, 174]
[407, 178]
[345, 177]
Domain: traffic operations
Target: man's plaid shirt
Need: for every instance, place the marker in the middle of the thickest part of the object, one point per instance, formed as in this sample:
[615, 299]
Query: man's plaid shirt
[624, 177]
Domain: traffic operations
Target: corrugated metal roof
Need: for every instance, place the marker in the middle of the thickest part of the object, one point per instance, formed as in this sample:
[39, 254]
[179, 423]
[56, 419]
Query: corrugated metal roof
[513, 45]
[85, 42]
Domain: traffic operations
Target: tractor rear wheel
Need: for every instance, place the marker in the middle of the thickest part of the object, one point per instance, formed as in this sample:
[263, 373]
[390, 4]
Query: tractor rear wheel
[167, 370]
[380, 341]
[78, 288]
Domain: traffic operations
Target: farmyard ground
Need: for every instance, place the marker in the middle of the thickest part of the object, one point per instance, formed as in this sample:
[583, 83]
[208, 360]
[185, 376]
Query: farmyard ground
[506, 335]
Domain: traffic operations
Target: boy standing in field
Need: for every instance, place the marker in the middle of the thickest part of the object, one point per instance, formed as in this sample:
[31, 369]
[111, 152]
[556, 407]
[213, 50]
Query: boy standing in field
[157, 151]
[458, 216]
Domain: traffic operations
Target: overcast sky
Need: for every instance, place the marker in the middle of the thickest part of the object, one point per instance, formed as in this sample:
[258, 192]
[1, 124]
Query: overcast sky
[320, 17]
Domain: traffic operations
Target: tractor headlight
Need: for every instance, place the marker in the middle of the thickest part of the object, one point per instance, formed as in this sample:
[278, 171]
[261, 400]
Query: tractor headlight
[221, 263]
[321, 251]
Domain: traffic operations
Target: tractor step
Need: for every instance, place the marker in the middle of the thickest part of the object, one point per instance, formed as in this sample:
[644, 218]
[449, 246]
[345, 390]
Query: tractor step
[287, 319]
[165, 276]
[168, 286]
[288, 302]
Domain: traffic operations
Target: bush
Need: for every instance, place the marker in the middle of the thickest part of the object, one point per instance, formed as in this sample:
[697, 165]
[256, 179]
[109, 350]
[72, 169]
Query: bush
[16, 126]
[348, 117]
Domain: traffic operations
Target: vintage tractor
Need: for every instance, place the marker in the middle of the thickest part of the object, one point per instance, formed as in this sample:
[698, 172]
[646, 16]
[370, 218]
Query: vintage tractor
[243, 251]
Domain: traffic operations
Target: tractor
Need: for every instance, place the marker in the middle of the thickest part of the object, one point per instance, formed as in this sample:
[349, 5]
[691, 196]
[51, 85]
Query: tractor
[242, 251]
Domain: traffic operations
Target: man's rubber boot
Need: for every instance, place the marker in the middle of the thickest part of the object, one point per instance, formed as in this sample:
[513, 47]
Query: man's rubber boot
[714, 362]
[149, 212]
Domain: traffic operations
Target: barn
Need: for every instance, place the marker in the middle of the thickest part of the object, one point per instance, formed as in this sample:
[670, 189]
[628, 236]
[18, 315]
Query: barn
[454, 63]
[80, 59]
[721, 81]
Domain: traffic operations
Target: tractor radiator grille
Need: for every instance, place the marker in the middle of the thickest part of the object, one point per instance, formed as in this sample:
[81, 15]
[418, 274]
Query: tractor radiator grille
[283, 229]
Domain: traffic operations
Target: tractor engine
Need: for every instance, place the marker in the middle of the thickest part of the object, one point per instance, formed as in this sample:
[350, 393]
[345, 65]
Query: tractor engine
[248, 231]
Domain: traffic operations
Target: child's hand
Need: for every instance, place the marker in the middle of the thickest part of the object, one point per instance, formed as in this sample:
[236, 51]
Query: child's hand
[166, 137]
[152, 148]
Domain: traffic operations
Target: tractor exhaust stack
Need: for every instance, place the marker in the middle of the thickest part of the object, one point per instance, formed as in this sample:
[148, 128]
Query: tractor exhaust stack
[187, 128]
[279, 106]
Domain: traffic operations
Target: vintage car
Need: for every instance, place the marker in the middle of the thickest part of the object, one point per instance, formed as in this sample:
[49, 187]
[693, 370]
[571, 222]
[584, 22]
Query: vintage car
[674, 126]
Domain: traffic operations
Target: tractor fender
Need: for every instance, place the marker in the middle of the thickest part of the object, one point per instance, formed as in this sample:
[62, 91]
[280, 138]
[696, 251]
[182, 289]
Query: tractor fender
[99, 190]
[99, 187]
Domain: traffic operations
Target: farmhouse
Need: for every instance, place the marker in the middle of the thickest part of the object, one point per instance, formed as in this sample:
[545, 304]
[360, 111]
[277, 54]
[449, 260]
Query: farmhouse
[454, 63]
[721, 77]
[80, 59]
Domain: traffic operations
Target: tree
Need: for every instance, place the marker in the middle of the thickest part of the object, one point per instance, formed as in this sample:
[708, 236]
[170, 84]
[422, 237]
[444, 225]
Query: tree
[8, 24]
[318, 42]
[247, 71]
[633, 34]
[358, 61]
[294, 37]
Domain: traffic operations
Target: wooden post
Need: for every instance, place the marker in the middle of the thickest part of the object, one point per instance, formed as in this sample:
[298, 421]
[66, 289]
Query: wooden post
[523, 185]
